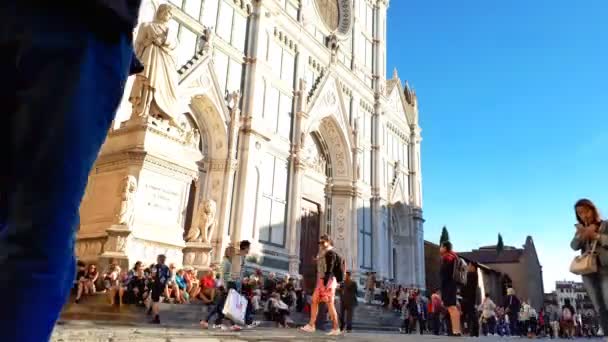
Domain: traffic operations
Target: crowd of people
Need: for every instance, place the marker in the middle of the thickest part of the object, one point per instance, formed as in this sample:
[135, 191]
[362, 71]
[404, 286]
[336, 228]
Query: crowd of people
[512, 317]
[453, 309]
[275, 297]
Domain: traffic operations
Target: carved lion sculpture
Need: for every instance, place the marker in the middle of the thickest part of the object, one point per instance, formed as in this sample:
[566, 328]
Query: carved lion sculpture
[204, 223]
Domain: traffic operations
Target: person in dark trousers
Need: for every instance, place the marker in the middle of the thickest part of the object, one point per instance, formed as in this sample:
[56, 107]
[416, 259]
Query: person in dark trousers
[436, 307]
[449, 287]
[470, 299]
[160, 276]
[422, 314]
[512, 306]
[237, 284]
[348, 303]
[64, 66]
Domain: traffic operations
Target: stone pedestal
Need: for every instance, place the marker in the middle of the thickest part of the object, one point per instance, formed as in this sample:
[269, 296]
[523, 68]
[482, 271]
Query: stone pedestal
[197, 254]
[163, 165]
[115, 247]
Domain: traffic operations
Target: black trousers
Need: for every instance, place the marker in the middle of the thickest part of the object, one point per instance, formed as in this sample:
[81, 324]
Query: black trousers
[346, 317]
[407, 325]
[435, 322]
[489, 327]
[470, 317]
[422, 324]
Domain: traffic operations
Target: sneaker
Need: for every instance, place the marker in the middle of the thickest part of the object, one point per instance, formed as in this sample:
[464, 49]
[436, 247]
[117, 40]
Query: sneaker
[218, 326]
[334, 332]
[252, 325]
[204, 325]
[307, 328]
[235, 328]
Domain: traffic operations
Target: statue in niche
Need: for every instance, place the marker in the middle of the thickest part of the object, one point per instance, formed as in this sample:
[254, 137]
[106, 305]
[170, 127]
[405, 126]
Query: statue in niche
[154, 91]
[204, 223]
[206, 40]
[128, 188]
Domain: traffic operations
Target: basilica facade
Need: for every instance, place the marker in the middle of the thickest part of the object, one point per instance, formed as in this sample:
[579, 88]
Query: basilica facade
[283, 127]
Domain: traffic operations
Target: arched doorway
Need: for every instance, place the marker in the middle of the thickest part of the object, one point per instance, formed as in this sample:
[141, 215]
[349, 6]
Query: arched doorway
[209, 118]
[315, 205]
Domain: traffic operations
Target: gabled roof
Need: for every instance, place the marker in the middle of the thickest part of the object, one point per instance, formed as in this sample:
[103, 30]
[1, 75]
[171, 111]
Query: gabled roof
[406, 95]
[490, 256]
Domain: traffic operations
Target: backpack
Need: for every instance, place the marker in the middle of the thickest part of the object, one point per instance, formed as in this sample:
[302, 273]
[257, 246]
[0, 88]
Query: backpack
[460, 271]
[339, 268]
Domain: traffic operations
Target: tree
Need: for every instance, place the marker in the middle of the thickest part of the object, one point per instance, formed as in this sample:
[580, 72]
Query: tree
[445, 236]
[500, 246]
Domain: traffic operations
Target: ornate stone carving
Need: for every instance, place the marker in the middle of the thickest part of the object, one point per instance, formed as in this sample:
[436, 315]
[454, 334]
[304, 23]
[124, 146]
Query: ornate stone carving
[333, 45]
[197, 254]
[232, 99]
[204, 223]
[88, 248]
[294, 265]
[188, 131]
[155, 89]
[207, 39]
[117, 239]
[334, 140]
[336, 15]
[329, 99]
[313, 156]
[341, 223]
[128, 188]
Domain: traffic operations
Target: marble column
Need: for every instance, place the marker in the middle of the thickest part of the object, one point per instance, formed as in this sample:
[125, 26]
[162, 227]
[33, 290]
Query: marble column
[353, 261]
[228, 185]
[246, 140]
[296, 169]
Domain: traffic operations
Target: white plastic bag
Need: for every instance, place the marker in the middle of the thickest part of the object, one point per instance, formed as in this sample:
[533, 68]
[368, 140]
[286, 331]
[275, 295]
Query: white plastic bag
[235, 307]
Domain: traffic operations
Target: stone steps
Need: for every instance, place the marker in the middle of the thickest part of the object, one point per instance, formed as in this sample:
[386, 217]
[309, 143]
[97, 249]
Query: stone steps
[97, 308]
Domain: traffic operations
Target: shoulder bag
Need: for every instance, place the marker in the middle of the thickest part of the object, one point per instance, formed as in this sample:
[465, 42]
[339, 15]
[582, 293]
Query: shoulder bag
[585, 263]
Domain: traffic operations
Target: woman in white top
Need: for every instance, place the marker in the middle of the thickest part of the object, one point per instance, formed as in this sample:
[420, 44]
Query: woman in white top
[488, 316]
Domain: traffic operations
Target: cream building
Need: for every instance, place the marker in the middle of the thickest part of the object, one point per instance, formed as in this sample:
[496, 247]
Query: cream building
[286, 122]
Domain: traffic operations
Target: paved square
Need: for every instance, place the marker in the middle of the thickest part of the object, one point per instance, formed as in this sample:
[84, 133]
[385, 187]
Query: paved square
[91, 331]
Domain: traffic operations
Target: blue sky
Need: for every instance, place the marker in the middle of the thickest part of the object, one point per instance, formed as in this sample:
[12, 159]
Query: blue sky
[514, 111]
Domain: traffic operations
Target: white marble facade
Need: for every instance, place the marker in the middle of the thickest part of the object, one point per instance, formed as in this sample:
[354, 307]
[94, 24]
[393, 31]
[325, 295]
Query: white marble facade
[319, 141]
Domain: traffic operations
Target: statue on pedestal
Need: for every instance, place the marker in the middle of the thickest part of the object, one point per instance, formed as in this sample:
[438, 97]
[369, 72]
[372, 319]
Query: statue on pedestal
[204, 223]
[128, 188]
[154, 91]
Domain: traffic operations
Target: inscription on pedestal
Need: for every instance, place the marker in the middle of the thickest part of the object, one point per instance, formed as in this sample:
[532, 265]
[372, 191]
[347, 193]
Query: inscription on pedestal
[162, 199]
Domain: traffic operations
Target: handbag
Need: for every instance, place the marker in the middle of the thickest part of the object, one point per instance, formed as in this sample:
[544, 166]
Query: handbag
[235, 307]
[585, 263]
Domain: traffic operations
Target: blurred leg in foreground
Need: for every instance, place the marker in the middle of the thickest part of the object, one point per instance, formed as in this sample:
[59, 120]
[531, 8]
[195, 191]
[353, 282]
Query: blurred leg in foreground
[62, 82]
